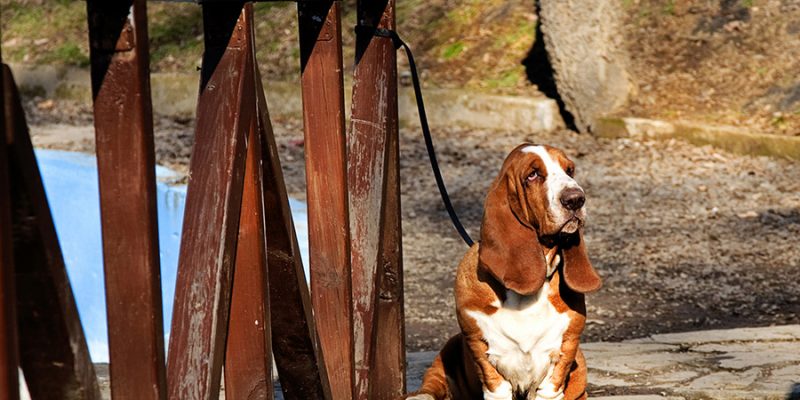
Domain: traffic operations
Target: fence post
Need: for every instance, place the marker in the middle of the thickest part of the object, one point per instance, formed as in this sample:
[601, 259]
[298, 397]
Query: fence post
[52, 348]
[205, 269]
[248, 354]
[326, 175]
[295, 343]
[9, 360]
[123, 120]
[373, 179]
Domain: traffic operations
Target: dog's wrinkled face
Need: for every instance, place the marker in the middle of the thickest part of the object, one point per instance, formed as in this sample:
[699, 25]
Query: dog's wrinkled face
[554, 201]
[534, 201]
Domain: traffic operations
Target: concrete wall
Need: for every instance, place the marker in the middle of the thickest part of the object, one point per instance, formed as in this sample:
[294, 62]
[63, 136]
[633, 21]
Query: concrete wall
[175, 94]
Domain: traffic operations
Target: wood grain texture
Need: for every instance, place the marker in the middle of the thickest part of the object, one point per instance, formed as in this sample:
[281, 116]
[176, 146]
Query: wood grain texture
[388, 356]
[248, 357]
[205, 269]
[123, 120]
[373, 179]
[326, 176]
[295, 343]
[52, 348]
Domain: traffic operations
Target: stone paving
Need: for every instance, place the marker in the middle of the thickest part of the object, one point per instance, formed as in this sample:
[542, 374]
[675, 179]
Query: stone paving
[745, 363]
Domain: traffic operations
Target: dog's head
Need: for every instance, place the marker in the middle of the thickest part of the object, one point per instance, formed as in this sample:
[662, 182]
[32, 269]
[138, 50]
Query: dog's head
[535, 200]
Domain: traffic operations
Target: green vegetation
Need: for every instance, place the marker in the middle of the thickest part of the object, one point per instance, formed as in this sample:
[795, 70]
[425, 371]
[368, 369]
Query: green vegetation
[669, 7]
[469, 43]
[507, 79]
[55, 33]
[67, 53]
[453, 50]
[175, 33]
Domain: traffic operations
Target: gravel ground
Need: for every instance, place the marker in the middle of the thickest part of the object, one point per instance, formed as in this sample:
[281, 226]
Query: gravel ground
[686, 237]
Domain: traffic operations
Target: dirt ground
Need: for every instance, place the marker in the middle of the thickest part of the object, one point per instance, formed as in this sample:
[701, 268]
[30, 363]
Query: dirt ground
[731, 62]
[685, 237]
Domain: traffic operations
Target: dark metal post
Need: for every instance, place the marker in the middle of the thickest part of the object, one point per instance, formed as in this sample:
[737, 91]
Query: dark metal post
[373, 178]
[123, 120]
[205, 271]
[326, 174]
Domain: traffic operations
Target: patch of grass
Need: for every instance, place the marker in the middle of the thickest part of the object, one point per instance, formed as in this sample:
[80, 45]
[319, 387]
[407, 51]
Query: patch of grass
[525, 30]
[62, 25]
[748, 3]
[465, 13]
[175, 30]
[507, 79]
[68, 53]
[263, 6]
[452, 51]
[669, 8]
[21, 19]
[778, 121]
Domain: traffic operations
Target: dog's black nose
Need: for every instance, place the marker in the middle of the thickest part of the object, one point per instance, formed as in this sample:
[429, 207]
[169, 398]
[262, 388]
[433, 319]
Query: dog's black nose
[572, 198]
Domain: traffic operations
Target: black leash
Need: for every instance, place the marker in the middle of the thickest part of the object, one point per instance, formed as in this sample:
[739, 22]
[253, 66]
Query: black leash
[423, 121]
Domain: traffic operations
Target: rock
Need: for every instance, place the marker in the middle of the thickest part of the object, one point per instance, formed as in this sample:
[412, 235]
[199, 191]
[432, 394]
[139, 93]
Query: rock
[584, 46]
[744, 355]
[771, 333]
[639, 397]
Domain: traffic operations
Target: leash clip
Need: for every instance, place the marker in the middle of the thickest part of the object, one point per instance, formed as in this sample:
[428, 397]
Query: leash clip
[381, 32]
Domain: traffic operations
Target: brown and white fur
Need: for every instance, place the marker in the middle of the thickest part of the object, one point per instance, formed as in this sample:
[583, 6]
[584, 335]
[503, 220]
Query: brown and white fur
[520, 291]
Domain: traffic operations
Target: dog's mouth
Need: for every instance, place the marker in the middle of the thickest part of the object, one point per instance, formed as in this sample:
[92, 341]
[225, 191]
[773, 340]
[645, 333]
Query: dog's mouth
[571, 225]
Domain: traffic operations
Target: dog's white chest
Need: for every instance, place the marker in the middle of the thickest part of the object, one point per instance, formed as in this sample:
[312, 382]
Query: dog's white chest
[523, 336]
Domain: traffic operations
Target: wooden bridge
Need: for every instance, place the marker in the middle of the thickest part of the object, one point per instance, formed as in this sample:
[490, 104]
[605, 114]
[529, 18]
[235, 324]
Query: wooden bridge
[241, 296]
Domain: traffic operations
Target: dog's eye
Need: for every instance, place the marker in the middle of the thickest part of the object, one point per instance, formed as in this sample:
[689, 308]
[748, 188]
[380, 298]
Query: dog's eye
[570, 171]
[533, 176]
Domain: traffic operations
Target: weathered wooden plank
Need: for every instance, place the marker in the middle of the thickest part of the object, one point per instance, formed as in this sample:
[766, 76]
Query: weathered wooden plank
[52, 348]
[388, 356]
[123, 120]
[248, 357]
[9, 361]
[373, 178]
[295, 343]
[326, 177]
[205, 268]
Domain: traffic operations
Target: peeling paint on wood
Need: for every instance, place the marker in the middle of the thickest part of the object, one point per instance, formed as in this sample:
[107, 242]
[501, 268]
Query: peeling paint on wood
[373, 179]
[326, 175]
[205, 270]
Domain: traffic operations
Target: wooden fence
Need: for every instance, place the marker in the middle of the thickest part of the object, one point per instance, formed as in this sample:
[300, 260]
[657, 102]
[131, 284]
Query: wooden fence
[241, 296]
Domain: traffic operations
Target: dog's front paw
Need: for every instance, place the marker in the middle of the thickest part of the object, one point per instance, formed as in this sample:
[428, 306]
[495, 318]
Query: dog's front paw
[548, 391]
[421, 396]
[501, 392]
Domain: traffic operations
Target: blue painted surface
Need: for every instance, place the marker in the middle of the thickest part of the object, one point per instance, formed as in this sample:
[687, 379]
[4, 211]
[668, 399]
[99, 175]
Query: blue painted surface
[70, 180]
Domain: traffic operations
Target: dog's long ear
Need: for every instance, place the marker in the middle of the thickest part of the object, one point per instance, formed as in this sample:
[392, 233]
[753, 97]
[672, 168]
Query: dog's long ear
[579, 274]
[509, 248]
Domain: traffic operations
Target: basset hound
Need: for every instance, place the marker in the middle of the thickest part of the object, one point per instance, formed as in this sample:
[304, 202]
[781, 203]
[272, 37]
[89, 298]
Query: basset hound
[520, 291]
